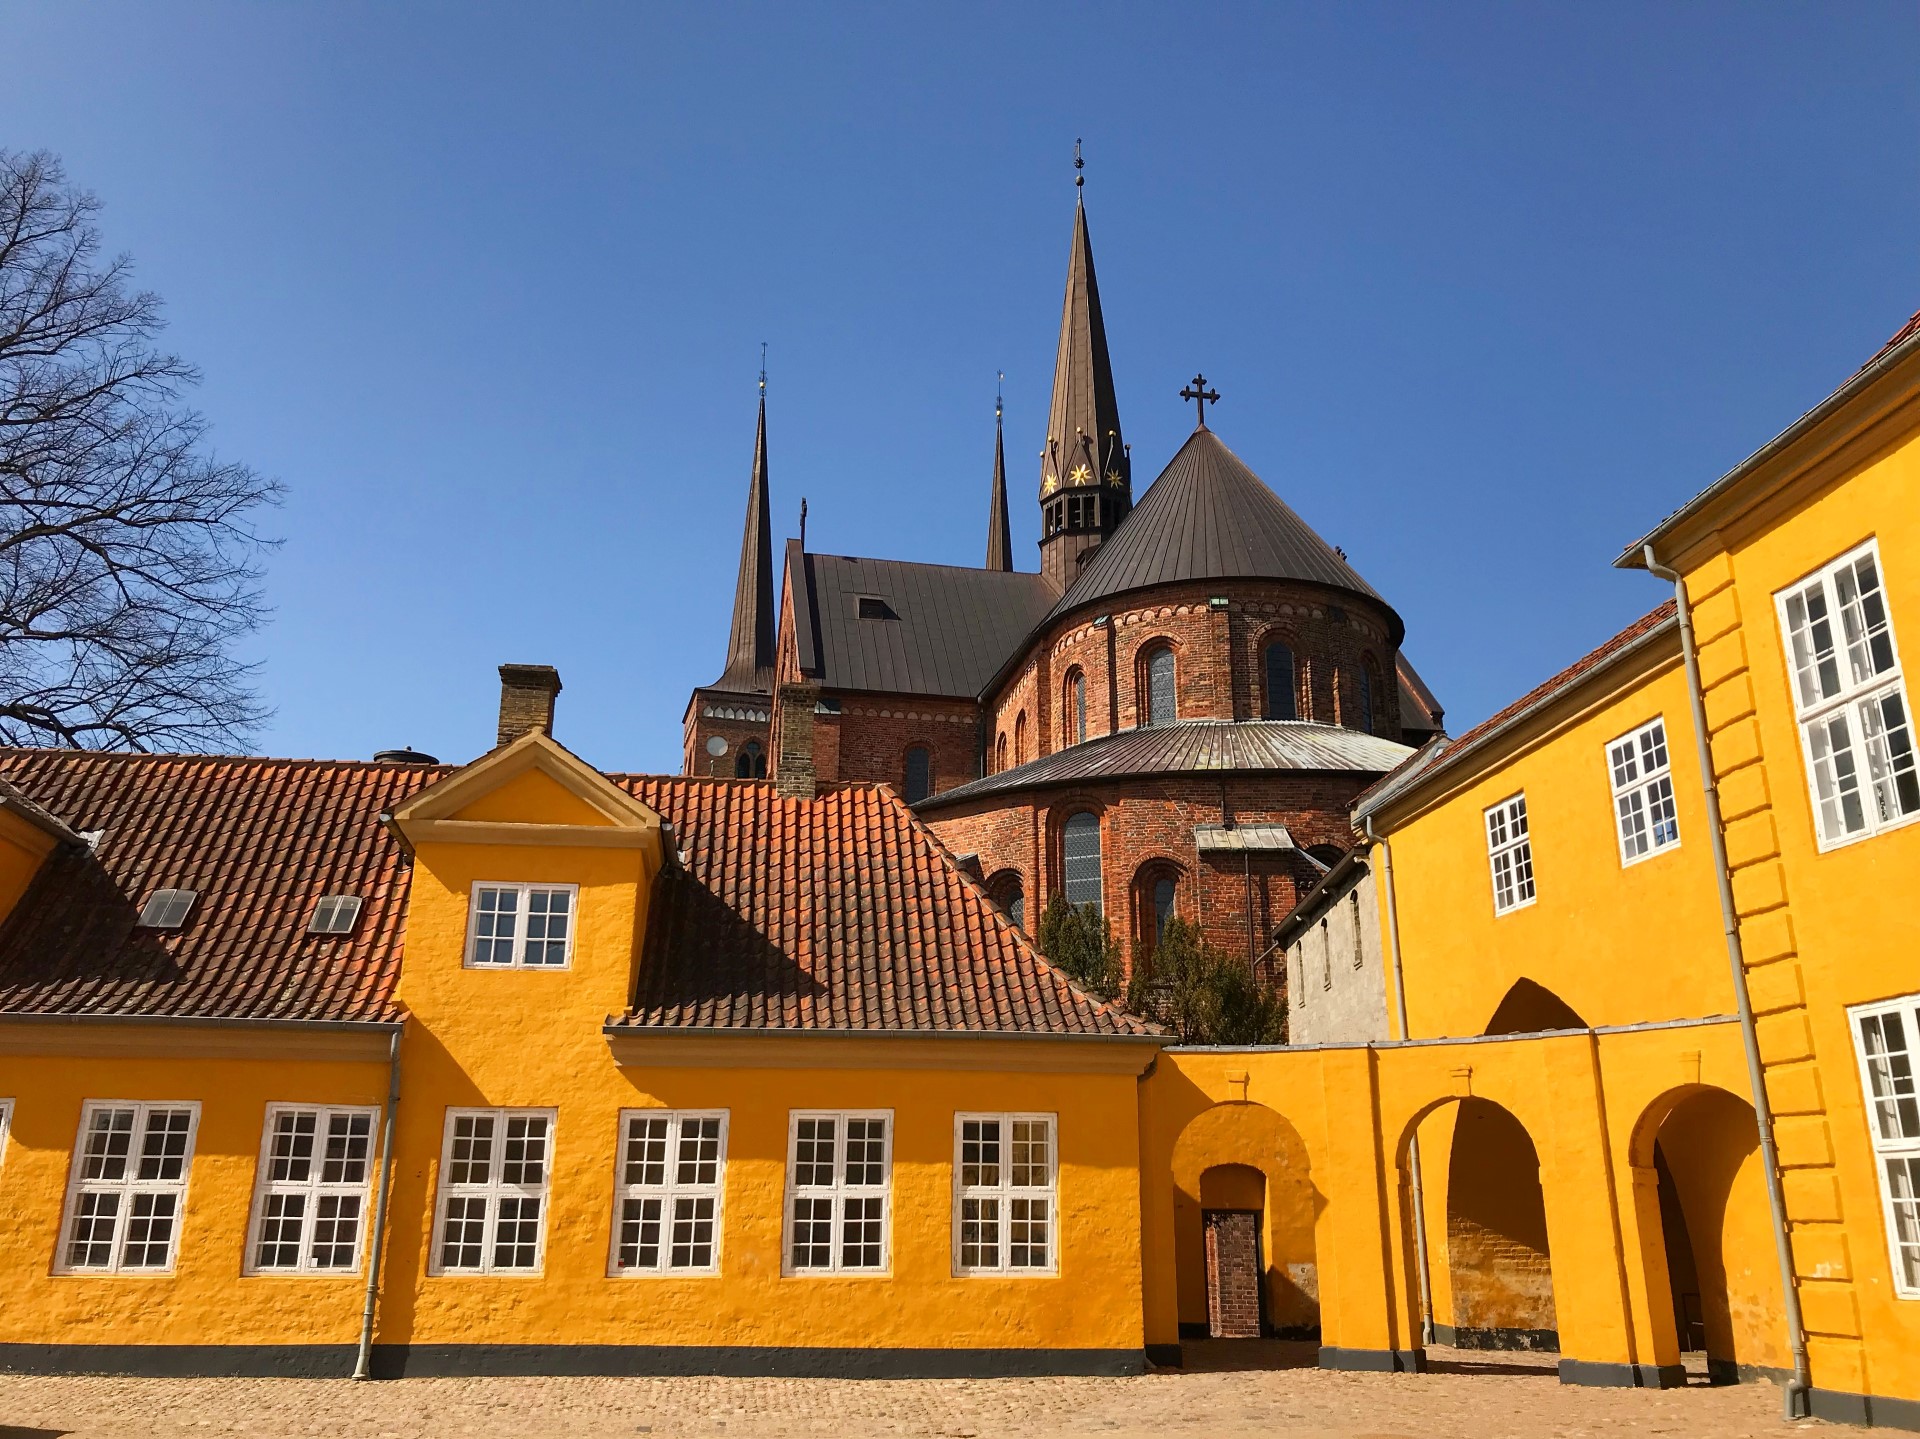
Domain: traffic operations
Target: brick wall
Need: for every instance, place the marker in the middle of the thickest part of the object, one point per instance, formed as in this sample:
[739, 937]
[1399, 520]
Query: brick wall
[870, 736]
[734, 718]
[1220, 659]
[1150, 821]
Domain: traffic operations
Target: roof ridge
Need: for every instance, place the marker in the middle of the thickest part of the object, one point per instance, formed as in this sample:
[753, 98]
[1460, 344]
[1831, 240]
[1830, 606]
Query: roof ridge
[183, 757]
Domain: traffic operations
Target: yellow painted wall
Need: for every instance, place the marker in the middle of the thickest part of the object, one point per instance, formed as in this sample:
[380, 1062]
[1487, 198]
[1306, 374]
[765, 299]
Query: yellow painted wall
[22, 848]
[1336, 1123]
[523, 1038]
[1619, 944]
[1821, 931]
[205, 1301]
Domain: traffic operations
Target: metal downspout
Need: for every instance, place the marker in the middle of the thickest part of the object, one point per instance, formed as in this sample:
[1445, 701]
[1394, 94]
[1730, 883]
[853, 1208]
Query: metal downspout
[1799, 1387]
[1413, 1144]
[363, 1364]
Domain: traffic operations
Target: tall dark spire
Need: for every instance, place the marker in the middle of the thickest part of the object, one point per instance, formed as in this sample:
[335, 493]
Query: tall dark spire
[999, 536]
[750, 646]
[1086, 483]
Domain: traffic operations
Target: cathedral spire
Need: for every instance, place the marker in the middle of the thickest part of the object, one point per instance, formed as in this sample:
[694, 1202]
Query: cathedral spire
[999, 536]
[750, 646]
[1086, 485]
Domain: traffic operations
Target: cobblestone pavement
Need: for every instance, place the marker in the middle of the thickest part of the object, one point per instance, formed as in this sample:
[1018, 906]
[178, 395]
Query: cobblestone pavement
[1252, 1388]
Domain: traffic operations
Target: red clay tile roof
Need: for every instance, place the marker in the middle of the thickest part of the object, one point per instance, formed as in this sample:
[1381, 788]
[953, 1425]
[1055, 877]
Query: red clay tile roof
[259, 839]
[840, 912]
[1438, 756]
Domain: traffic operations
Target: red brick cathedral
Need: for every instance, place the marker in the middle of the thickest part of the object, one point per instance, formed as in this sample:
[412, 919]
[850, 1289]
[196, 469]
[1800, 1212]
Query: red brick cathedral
[1171, 717]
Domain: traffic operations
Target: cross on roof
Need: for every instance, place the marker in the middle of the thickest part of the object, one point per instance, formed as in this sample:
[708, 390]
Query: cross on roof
[1201, 396]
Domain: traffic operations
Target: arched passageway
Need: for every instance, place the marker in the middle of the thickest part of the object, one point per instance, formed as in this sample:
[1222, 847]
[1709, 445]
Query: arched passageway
[1713, 1269]
[1489, 1263]
[1497, 1252]
[1244, 1211]
[1529, 1008]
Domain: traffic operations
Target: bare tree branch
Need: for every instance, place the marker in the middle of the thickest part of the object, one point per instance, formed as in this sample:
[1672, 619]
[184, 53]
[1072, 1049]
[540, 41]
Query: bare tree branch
[129, 563]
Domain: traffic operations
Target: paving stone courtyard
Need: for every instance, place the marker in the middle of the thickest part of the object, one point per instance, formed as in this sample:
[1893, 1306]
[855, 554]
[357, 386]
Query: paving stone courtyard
[1252, 1388]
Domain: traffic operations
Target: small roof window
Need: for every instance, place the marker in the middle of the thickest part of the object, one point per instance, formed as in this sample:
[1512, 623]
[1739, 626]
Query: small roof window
[167, 908]
[872, 607]
[335, 914]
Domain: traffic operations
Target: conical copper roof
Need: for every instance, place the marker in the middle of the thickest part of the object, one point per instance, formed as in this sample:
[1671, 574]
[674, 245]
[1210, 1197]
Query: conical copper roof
[1209, 517]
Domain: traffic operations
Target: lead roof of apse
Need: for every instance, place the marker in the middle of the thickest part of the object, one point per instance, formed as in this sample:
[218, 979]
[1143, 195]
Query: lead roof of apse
[1209, 517]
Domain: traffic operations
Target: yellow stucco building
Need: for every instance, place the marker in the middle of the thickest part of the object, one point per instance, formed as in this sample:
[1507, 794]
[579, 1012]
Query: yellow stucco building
[522, 1067]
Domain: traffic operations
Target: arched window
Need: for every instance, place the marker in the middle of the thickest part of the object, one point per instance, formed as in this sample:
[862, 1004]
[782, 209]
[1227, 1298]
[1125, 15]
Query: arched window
[1076, 708]
[919, 774]
[1008, 891]
[1161, 708]
[1000, 752]
[1364, 683]
[1282, 698]
[1156, 892]
[751, 762]
[1020, 738]
[1080, 859]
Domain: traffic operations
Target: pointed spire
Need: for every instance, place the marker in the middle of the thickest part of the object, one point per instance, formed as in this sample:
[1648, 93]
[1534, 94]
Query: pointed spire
[999, 535]
[1085, 455]
[750, 646]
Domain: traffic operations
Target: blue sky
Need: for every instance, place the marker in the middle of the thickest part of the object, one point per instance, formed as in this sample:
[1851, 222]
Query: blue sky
[1487, 290]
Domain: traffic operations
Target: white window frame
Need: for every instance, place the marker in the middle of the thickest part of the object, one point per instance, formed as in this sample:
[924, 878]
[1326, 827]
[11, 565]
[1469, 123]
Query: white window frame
[491, 1191]
[6, 1128]
[838, 1193]
[130, 1185]
[1640, 775]
[1518, 850]
[673, 1189]
[1005, 1194]
[1882, 1097]
[524, 890]
[313, 1190]
[1847, 705]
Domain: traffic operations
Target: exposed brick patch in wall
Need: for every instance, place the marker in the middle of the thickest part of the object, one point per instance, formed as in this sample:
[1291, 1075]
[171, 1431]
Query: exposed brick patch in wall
[1233, 1273]
[868, 739]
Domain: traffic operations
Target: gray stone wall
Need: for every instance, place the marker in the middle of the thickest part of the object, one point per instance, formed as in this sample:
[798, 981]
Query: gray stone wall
[1336, 968]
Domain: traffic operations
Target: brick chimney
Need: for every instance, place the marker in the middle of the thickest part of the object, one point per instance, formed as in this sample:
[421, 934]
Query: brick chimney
[527, 693]
[793, 774]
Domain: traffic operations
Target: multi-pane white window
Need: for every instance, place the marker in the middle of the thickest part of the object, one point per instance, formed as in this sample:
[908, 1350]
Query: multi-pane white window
[667, 1216]
[129, 1187]
[312, 1194]
[521, 926]
[6, 1126]
[1642, 778]
[839, 1177]
[493, 1191]
[1887, 1037]
[1004, 1215]
[1851, 699]
[1510, 854]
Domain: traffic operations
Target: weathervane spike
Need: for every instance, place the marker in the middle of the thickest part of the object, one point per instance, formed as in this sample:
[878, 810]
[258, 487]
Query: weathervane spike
[1078, 165]
[997, 384]
[763, 367]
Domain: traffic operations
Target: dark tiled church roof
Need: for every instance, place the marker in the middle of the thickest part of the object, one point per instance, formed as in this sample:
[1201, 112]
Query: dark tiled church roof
[936, 630]
[836, 913]
[1192, 747]
[1209, 517]
[259, 840]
